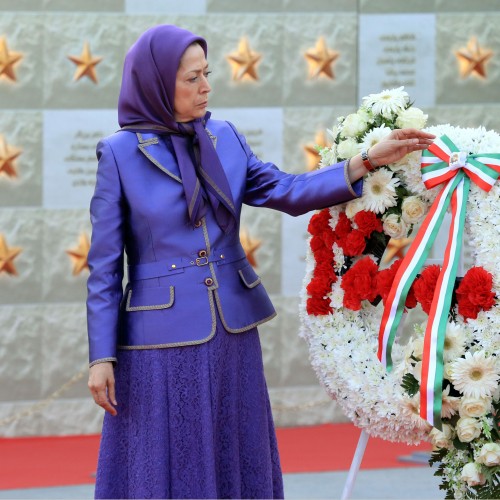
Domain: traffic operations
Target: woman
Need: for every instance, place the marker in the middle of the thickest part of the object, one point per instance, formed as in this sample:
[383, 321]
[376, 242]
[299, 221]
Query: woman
[190, 417]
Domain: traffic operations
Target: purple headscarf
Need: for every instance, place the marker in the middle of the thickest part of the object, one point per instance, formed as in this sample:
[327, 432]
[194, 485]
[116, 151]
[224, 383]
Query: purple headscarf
[146, 102]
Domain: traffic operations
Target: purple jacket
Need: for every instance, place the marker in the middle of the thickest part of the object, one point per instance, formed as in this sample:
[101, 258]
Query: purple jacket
[179, 275]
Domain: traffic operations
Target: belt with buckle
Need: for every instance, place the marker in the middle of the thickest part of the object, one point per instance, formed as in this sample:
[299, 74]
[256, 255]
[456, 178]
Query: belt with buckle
[174, 265]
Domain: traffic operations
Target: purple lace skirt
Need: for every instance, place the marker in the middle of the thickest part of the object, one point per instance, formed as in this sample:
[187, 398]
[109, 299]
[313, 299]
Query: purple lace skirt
[193, 422]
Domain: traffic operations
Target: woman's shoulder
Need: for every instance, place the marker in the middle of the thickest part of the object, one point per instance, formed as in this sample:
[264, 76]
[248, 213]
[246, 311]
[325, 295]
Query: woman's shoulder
[220, 126]
[120, 138]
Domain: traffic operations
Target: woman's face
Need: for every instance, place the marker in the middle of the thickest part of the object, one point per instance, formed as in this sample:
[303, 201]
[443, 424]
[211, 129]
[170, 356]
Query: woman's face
[191, 85]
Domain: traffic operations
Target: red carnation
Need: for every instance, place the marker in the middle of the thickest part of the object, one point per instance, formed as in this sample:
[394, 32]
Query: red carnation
[318, 222]
[318, 287]
[475, 293]
[359, 283]
[317, 244]
[425, 285]
[318, 307]
[368, 222]
[343, 226]
[329, 237]
[354, 243]
[323, 256]
[385, 280]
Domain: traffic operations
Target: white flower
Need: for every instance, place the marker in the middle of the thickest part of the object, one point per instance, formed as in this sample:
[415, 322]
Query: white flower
[375, 136]
[448, 371]
[394, 226]
[337, 295]
[379, 191]
[338, 257]
[454, 343]
[387, 103]
[474, 407]
[418, 347]
[441, 439]
[328, 156]
[353, 207]
[471, 474]
[475, 375]
[417, 370]
[353, 125]
[411, 410]
[348, 148]
[468, 429]
[489, 455]
[411, 118]
[333, 132]
[449, 404]
[411, 161]
[413, 209]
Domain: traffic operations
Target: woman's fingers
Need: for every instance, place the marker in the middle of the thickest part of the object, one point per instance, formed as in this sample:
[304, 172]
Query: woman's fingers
[102, 386]
[101, 398]
[111, 392]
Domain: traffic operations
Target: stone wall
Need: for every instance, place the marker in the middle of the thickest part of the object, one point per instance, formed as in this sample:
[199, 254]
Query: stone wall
[50, 123]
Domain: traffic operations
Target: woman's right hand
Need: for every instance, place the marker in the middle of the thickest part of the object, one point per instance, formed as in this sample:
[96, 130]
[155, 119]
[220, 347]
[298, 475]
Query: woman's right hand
[102, 386]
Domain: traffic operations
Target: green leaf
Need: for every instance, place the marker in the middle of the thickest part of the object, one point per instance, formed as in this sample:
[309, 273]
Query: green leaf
[459, 445]
[410, 384]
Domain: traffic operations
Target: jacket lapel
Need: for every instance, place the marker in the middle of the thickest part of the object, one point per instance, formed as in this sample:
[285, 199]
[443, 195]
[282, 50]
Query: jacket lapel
[155, 150]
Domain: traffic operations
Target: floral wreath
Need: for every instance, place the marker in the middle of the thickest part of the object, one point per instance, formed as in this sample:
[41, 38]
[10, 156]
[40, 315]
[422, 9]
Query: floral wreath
[344, 284]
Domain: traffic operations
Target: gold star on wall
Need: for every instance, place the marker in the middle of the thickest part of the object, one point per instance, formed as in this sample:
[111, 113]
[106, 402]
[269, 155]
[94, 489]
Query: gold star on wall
[244, 61]
[8, 59]
[7, 256]
[8, 155]
[86, 64]
[250, 245]
[472, 59]
[320, 60]
[79, 254]
[395, 248]
[311, 152]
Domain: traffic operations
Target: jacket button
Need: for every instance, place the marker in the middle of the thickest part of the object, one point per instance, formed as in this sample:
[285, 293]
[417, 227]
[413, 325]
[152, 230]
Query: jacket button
[209, 281]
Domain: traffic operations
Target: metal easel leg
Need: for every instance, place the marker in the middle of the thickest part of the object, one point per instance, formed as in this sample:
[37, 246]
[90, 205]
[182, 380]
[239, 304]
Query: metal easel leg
[355, 465]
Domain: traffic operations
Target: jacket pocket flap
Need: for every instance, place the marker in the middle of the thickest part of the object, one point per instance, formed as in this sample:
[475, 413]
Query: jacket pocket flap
[148, 299]
[249, 276]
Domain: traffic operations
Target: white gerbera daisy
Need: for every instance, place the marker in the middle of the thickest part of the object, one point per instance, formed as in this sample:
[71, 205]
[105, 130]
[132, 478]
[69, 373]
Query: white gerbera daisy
[379, 191]
[454, 342]
[475, 375]
[374, 136]
[388, 102]
[411, 409]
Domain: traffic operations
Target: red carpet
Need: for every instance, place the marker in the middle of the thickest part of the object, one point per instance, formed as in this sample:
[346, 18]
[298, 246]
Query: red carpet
[71, 460]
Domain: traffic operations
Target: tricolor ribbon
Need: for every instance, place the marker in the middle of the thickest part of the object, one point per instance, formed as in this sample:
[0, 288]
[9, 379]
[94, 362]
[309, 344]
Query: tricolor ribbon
[442, 163]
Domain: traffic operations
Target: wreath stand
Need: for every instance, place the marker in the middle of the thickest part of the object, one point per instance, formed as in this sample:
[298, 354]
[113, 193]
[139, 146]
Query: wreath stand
[355, 465]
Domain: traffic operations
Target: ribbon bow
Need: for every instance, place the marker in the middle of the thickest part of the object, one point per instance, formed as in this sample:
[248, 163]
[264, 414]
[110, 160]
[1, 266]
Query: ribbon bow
[442, 163]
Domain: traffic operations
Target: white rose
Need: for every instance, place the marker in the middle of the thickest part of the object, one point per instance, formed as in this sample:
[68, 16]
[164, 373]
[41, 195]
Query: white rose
[468, 429]
[413, 209]
[474, 407]
[354, 124]
[348, 148]
[472, 475]
[394, 226]
[353, 207]
[411, 117]
[489, 455]
[441, 439]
